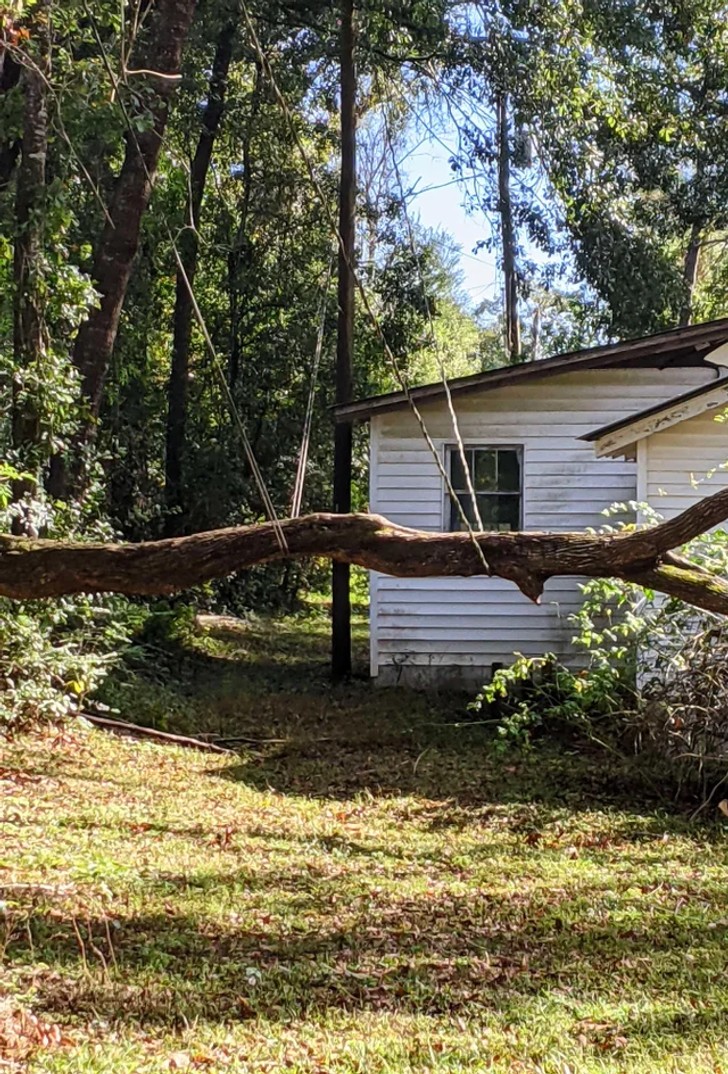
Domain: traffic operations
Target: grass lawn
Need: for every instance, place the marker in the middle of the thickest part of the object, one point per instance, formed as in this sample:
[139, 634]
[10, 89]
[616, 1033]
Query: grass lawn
[359, 888]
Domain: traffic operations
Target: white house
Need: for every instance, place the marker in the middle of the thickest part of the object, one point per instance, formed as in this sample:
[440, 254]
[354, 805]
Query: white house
[549, 445]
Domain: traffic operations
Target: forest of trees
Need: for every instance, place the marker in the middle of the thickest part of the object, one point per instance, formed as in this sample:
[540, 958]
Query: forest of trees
[169, 198]
[146, 147]
[209, 237]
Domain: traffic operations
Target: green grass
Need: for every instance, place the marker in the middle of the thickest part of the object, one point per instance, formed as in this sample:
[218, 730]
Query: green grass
[361, 888]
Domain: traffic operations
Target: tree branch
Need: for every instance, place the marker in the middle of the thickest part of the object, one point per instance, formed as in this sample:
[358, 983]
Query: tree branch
[31, 569]
[699, 518]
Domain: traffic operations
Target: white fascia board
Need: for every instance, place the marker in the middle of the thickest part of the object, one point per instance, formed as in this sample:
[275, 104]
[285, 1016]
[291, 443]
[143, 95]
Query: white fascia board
[622, 441]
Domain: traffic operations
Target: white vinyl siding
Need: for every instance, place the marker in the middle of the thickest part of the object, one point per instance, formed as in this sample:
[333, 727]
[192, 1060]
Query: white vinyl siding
[685, 463]
[465, 625]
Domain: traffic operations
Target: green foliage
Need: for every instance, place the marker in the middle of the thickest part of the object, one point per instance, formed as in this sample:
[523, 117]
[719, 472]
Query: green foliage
[653, 678]
[618, 149]
[54, 653]
[539, 694]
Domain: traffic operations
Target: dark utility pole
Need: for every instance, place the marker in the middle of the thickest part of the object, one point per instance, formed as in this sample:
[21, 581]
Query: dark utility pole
[513, 328]
[340, 602]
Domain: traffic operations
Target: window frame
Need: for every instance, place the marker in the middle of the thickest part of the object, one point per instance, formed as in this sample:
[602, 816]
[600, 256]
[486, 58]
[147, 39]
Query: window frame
[479, 445]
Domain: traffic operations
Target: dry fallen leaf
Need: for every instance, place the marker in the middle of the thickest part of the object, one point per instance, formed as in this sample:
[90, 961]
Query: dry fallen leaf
[22, 1032]
[179, 1061]
[723, 806]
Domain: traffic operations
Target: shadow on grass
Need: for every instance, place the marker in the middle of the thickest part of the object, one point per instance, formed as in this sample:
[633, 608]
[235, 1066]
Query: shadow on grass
[466, 955]
[457, 770]
[263, 689]
[465, 771]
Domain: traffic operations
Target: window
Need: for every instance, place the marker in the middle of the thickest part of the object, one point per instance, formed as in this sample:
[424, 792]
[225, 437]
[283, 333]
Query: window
[495, 473]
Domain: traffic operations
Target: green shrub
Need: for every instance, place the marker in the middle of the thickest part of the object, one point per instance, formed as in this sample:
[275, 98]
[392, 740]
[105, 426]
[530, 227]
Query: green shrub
[54, 653]
[654, 680]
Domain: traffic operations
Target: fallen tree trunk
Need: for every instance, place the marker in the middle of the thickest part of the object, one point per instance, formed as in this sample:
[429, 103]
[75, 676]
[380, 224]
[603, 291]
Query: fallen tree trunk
[38, 568]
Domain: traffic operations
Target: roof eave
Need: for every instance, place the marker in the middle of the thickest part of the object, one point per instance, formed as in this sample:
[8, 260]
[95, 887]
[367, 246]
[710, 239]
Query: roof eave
[692, 340]
[612, 440]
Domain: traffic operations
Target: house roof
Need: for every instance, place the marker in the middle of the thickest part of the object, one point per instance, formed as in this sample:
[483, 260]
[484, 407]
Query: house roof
[620, 436]
[677, 347]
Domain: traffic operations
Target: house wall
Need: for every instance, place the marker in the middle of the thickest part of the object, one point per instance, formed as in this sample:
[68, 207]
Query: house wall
[679, 463]
[453, 630]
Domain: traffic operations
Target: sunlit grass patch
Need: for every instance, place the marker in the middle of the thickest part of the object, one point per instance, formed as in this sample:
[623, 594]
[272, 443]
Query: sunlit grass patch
[359, 888]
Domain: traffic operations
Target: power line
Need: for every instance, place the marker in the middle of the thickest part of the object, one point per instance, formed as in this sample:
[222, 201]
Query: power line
[308, 419]
[247, 446]
[433, 337]
[401, 379]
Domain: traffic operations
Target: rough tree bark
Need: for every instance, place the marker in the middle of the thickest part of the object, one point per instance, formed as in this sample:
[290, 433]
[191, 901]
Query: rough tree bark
[32, 569]
[690, 271]
[188, 251]
[119, 241]
[505, 209]
[29, 339]
[159, 66]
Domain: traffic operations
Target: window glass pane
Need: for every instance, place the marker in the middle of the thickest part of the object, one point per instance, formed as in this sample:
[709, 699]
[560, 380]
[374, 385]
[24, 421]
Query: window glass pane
[484, 477]
[456, 522]
[509, 471]
[497, 512]
[457, 473]
[509, 512]
[488, 507]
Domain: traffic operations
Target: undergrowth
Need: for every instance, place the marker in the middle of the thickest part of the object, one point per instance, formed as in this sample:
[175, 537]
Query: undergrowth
[652, 680]
[54, 653]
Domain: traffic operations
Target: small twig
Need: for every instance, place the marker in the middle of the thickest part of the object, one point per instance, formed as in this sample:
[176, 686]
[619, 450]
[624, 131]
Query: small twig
[417, 762]
[81, 945]
[46, 889]
[112, 953]
[709, 797]
[97, 950]
[248, 740]
[154, 74]
[10, 927]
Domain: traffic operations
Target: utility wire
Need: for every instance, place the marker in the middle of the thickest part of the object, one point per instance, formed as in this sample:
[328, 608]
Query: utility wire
[431, 326]
[247, 446]
[399, 374]
[308, 419]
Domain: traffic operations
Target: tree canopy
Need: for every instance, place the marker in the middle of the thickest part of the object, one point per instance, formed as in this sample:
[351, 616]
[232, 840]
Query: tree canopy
[168, 178]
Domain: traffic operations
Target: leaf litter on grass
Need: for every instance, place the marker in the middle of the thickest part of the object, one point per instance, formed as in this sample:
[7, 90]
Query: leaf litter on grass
[334, 905]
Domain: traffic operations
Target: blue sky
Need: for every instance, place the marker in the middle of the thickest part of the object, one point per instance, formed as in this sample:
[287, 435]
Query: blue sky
[439, 204]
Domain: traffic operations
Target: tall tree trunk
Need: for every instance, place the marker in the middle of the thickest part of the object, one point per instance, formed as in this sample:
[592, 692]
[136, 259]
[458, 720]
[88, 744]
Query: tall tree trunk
[188, 251]
[340, 597]
[690, 271]
[240, 256]
[117, 248]
[505, 208]
[29, 341]
[120, 238]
